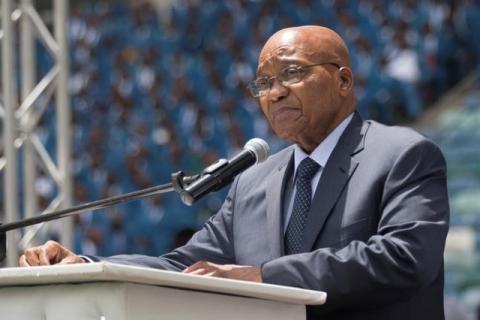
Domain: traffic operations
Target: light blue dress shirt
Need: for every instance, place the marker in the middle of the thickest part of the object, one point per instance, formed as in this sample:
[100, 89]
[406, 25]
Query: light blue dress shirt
[320, 155]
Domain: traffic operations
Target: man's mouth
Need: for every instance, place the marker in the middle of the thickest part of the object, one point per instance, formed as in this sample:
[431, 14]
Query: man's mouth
[284, 113]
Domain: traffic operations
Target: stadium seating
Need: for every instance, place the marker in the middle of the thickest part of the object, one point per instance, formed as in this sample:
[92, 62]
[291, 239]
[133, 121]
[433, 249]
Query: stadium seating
[458, 135]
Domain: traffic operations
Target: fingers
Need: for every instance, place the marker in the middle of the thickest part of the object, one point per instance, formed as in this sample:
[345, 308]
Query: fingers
[53, 252]
[22, 262]
[44, 259]
[204, 272]
[31, 257]
[49, 253]
[205, 268]
[230, 271]
[71, 260]
[195, 266]
[202, 267]
[35, 256]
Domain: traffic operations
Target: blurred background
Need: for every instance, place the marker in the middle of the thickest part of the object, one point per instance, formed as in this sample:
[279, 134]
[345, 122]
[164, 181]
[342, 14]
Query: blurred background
[160, 86]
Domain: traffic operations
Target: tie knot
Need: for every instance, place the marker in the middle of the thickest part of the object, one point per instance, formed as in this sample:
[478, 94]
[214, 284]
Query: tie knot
[307, 169]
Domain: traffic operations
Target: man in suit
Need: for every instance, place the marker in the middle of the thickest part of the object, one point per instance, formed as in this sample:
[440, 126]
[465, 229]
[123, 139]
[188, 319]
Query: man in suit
[353, 208]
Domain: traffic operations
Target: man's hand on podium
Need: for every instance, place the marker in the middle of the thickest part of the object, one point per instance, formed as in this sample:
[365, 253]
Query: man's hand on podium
[54, 253]
[47, 254]
[230, 271]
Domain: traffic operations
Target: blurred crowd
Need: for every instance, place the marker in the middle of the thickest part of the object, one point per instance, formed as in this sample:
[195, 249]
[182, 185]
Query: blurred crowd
[157, 92]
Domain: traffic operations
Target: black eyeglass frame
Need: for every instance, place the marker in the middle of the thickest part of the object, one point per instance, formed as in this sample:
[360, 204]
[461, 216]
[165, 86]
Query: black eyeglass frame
[256, 90]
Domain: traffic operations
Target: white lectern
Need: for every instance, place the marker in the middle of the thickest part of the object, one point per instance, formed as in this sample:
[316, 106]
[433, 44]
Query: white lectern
[105, 291]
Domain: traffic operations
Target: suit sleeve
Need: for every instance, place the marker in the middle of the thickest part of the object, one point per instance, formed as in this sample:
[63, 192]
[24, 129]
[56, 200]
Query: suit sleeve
[212, 243]
[405, 253]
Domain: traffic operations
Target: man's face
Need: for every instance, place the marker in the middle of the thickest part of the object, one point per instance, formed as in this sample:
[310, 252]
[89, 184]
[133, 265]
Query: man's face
[303, 112]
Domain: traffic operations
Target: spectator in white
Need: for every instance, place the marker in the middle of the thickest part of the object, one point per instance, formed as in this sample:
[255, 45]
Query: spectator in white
[403, 67]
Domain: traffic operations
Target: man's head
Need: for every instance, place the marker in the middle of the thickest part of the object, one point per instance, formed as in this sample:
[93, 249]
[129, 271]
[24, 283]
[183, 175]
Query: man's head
[303, 105]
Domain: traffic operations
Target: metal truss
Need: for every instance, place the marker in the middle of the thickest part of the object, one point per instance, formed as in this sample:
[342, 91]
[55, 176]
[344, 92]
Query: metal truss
[20, 120]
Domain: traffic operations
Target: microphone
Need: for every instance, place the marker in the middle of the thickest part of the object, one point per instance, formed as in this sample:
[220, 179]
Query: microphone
[222, 172]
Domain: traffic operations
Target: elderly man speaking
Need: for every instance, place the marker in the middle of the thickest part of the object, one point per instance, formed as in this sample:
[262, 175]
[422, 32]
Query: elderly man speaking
[354, 208]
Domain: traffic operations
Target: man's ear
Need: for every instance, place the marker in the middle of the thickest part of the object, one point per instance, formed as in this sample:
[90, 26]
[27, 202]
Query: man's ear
[346, 79]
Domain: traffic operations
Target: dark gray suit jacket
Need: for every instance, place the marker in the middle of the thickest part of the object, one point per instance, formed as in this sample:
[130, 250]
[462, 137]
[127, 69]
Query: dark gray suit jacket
[374, 237]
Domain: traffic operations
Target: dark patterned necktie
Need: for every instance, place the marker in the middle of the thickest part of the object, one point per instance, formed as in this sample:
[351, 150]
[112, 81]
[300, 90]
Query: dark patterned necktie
[301, 205]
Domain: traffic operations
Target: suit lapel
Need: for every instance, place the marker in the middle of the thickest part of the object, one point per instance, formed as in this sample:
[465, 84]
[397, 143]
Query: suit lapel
[338, 170]
[274, 197]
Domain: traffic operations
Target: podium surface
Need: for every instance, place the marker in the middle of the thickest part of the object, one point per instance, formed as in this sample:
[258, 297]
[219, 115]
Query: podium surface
[113, 291]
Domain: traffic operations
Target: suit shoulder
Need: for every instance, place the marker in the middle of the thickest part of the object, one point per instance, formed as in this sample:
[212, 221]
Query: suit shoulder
[396, 137]
[388, 144]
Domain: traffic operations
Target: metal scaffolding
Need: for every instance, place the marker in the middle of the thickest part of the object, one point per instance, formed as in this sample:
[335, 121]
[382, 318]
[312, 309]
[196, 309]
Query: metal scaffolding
[20, 120]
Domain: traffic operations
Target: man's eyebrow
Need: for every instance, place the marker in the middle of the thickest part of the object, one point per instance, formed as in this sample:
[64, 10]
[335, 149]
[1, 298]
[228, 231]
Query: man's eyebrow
[285, 63]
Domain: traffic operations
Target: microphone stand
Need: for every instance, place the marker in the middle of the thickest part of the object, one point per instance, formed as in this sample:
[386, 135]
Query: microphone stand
[180, 181]
[190, 188]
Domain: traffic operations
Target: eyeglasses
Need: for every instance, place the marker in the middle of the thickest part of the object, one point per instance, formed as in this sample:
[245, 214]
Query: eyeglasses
[287, 76]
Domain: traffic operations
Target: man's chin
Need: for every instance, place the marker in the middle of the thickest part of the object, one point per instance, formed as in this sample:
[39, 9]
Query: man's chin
[291, 135]
[288, 132]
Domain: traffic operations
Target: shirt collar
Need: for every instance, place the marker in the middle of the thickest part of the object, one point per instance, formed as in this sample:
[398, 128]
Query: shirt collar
[323, 151]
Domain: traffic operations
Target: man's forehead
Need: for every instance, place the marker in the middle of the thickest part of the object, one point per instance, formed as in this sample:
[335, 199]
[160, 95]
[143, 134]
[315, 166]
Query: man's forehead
[284, 45]
[286, 50]
[309, 43]
[284, 53]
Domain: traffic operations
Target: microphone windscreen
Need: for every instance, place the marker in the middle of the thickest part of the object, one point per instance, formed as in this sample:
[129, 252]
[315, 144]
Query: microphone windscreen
[259, 147]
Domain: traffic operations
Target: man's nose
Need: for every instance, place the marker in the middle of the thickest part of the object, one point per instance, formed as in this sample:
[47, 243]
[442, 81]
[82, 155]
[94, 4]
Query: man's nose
[277, 91]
